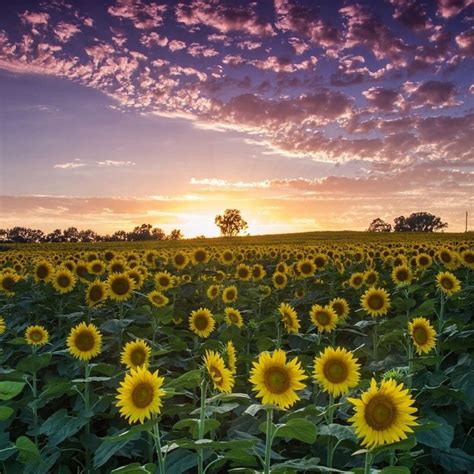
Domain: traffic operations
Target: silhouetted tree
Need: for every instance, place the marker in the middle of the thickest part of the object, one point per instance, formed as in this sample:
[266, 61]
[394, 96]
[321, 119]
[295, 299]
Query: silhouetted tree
[158, 234]
[88, 235]
[55, 236]
[23, 235]
[230, 223]
[71, 234]
[379, 225]
[418, 222]
[119, 236]
[175, 234]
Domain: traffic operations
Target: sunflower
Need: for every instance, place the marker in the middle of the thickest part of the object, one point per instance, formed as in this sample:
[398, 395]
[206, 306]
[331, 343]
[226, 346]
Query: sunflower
[448, 258]
[139, 395]
[289, 318]
[383, 415]
[200, 255]
[213, 292]
[43, 271]
[201, 322]
[320, 260]
[63, 280]
[8, 280]
[306, 267]
[448, 283]
[227, 257]
[258, 272]
[356, 280]
[324, 318]
[3, 326]
[422, 334]
[467, 258]
[299, 293]
[84, 341]
[117, 265]
[423, 261]
[136, 354]
[180, 260]
[376, 301]
[221, 377]
[36, 335]
[231, 356]
[96, 293]
[243, 272]
[164, 281]
[276, 380]
[157, 298]
[97, 267]
[279, 280]
[336, 370]
[371, 277]
[233, 317]
[341, 307]
[82, 270]
[120, 286]
[402, 275]
[229, 294]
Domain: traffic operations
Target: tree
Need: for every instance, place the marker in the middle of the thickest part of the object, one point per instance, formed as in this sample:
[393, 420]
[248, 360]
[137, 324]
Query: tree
[230, 223]
[379, 225]
[71, 234]
[158, 234]
[175, 234]
[419, 222]
[141, 232]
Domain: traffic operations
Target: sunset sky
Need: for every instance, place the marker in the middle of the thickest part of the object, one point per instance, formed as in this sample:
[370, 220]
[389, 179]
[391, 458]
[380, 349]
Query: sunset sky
[306, 115]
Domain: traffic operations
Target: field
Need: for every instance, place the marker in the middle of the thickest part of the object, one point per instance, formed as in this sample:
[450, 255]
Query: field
[326, 352]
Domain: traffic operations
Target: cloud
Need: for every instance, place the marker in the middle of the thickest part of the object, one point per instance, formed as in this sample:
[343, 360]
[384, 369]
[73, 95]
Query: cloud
[412, 14]
[153, 39]
[77, 163]
[450, 8]
[434, 94]
[176, 45]
[224, 17]
[143, 15]
[465, 41]
[116, 164]
[35, 18]
[70, 165]
[383, 99]
[65, 31]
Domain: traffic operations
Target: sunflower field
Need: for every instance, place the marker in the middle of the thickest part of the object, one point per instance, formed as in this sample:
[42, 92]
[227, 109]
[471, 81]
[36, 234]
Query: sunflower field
[343, 352]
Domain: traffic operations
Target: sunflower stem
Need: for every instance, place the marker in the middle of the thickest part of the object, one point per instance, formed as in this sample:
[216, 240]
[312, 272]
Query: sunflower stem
[202, 421]
[87, 408]
[159, 453]
[410, 363]
[330, 452]
[440, 329]
[35, 404]
[375, 341]
[368, 462]
[268, 441]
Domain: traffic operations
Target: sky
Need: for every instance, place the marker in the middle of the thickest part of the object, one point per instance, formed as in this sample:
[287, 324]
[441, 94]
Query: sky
[305, 115]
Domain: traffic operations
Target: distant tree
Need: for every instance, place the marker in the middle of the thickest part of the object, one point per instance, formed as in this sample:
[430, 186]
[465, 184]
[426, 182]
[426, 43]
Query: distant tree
[175, 234]
[230, 223]
[3, 235]
[141, 232]
[55, 236]
[419, 222]
[71, 234]
[22, 235]
[158, 234]
[88, 235]
[119, 236]
[379, 225]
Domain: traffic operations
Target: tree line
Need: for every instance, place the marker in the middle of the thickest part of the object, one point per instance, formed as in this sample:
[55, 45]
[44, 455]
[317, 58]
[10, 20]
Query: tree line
[415, 222]
[143, 232]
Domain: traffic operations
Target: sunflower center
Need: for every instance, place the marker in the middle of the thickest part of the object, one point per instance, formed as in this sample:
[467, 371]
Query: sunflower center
[402, 275]
[8, 283]
[338, 308]
[164, 281]
[96, 268]
[243, 273]
[447, 283]
[279, 279]
[81, 271]
[200, 256]
[323, 318]
[380, 413]
[200, 321]
[63, 281]
[319, 261]
[215, 374]
[138, 356]
[306, 268]
[179, 259]
[84, 341]
[36, 336]
[375, 301]
[445, 257]
[230, 295]
[423, 261]
[469, 258]
[42, 272]
[158, 299]
[142, 395]
[420, 335]
[286, 318]
[95, 293]
[357, 280]
[335, 371]
[277, 380]
[120, 286]
[234, 318]
[370, 278]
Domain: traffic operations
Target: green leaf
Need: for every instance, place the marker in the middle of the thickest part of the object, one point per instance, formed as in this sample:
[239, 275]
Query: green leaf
[180, 461]
[395, 470]
[338, 431]
[60, 426]
[27, 450]
[9, 390]
[453, 460]
[301, 465]
[297, 428]
[190, 379]
[5, 413]
[425, 309]
[135, 468]
[107, 449]
[216, 445]
[34, 362]
[439, 438]
[193, 425]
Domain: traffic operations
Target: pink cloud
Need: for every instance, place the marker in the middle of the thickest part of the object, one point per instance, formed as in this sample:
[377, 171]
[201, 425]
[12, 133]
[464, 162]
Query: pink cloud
[198, 50]
[65, 31]
[35, 18]
[153, 39]
[143, 15]
[298, 45]
[223, 17]
[412, 14]
[176, 45]
[449, 8]
[383, 99]
[435, 94]
[465, 41]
